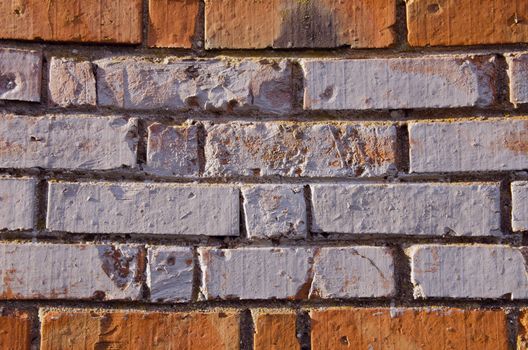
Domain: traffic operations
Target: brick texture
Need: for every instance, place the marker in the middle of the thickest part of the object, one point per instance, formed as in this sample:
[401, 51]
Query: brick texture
[518, 75]
[172, 23]
[71, 83]
[451, 22]
[394, 328]
[519, 217]
[275, 330]
[94, 329]
[296, 24]
[15, 331]
[18, 210]
[20, 74]
[107, 21]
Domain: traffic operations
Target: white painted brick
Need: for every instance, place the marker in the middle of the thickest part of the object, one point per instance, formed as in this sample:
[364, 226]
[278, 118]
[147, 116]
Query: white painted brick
[519, 219]
[518, 74]
[20, 75]
[255, 273]
[71, 83]
[464, 271]
[172, 150]
[105, 207]
[273, 211]
[352, 272]
[69, 142]
[306, 149]
[170, 273]
[213, 85]
[69, 271]
[459, 209]
[17, 203]
[428, 82]
[478, 145]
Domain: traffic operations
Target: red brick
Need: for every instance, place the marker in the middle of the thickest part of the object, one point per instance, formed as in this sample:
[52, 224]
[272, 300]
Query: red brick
[15, 331]
[275, 331]
[172, 23]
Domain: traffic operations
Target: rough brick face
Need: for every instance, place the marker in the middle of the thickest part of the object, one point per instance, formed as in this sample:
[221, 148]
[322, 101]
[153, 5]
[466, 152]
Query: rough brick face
[67, 142]
[479, 271]
[426, 82]
[407, 209]
[73, 271]
[297, 24]
[394, 328]
[451, 22]
[519, 217]
[20, 74]
[15, 331]
[213, 85]
[169, 209]
[518, 75]
[18, 209]
[71, 83]
[172, 23]
[106, 21]
[275, 330]
[288, 149]
[94, 329]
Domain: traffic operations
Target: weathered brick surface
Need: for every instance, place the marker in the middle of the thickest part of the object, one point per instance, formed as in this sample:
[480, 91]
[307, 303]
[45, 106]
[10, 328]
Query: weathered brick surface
[70, 271]
[106, 21]
[399, 328]
[451, 22]
[93, 329]
[172, 150]
[294, 24]
[273, 211]
[18, 203]
[477, 145]
[172, 23]
[69, 142]
[519, 216]
[518, 75]
[478, 271]
[522, 335]
[425, 82]
[288, 149]
[295, 273]
[275, 330]
[128, 207]
[170, 273]
[459, 209]
[15, 331]
[71, 83]
[212, 85]
[20, 73]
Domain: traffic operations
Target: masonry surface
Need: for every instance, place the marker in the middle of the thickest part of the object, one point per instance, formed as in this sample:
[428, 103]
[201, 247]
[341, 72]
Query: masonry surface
[263, 175]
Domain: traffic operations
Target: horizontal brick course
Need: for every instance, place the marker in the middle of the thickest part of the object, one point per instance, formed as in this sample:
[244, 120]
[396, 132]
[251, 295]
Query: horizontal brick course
[71, 83]
[299, 24]
[107, 21]
[70, 271]
[469, 272]
[94, 329]
[463, 146]
[304, 149]
[518, 76]
[213, 85]
[401, 328]
[395, 83]
[459, 209]
[295, 273]
[19, 203]
[20, 73]
[148, 208]
[67, 142]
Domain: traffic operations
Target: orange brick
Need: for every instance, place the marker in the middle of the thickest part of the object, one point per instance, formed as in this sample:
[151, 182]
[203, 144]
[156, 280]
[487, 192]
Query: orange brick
[275, 331]
[139, 330]
[470, 22]
[15, 331]
[172, 23]
[409, 329]
[522, 337]
[115, 21]
[299, 23]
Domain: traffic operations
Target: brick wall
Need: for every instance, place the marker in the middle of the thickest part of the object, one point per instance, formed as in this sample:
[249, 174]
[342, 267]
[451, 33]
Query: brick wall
[266, 175]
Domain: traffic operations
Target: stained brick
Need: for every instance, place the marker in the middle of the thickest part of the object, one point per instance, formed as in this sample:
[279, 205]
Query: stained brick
[71, 83]
[172, 23]
[304, 149]
[399, 328]
[275, 330]
[295, 24]
[93, 329]
[128, 207]
[18, 199]
[518, 75]
[20, 73]
[425, 82]
[106, 21]
[15, 331]
[452, 22]
[519, 216]
[70, 271]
